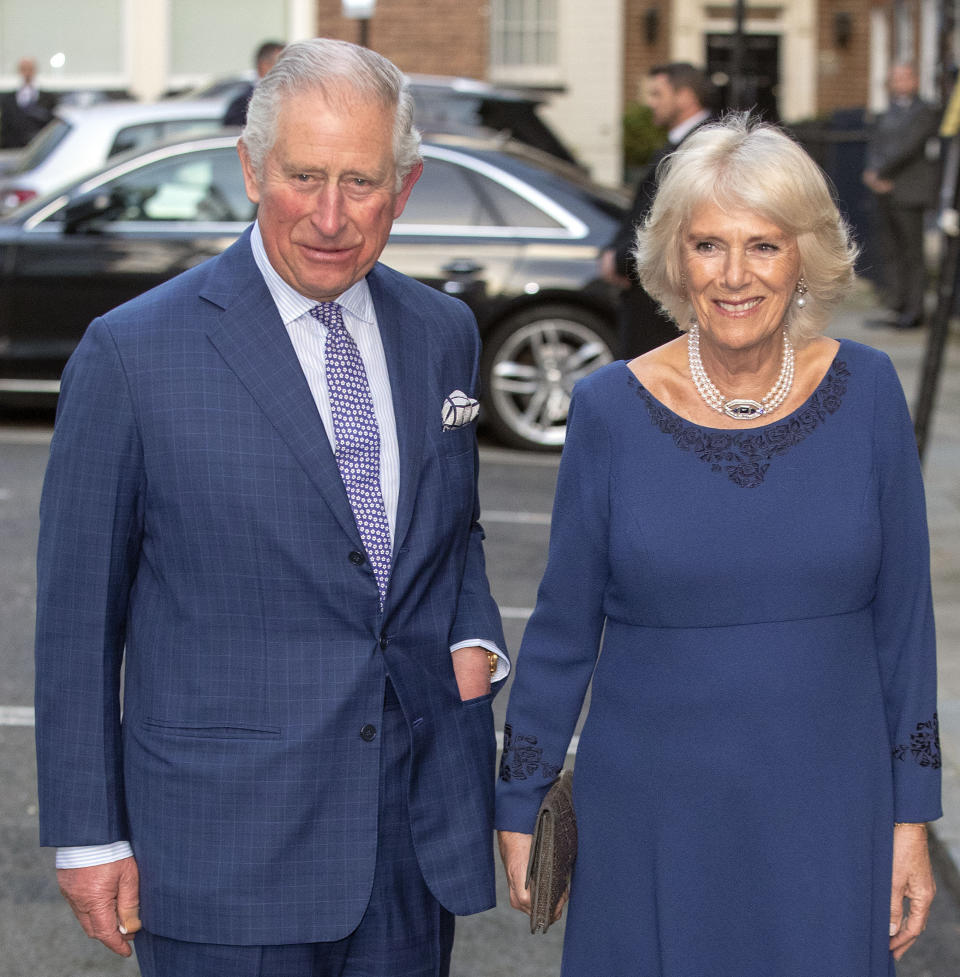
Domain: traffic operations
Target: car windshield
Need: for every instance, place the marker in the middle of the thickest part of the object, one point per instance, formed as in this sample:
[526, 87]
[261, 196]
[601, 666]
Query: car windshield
[42, 145]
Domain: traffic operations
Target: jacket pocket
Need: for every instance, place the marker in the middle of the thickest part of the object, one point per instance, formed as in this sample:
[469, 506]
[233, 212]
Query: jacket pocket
[218, 731]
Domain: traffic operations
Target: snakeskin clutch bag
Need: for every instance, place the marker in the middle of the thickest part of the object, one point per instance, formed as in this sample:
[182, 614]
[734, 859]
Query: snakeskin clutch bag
[552, 853]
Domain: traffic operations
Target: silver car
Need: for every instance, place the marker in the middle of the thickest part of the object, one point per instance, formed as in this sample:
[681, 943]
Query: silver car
[80, 140]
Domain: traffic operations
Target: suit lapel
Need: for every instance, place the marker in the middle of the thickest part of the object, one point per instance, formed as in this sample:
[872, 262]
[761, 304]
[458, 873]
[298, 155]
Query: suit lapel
[404, 345]
[250, 336]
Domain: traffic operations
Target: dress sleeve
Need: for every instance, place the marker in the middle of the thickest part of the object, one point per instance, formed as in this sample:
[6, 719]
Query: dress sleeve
[903, 609]
[562, 639]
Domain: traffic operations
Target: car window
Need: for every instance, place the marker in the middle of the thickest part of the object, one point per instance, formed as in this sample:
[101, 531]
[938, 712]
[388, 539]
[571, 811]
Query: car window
[202, 186]
[456, 196]
[146, 133]
[41, 146]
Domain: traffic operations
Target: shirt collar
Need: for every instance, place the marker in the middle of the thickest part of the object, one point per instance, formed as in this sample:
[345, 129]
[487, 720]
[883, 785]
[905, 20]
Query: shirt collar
[356, 300]
[678, 132]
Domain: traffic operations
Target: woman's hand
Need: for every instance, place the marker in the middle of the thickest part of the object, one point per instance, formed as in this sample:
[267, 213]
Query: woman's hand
[515, 852]
[913, 880]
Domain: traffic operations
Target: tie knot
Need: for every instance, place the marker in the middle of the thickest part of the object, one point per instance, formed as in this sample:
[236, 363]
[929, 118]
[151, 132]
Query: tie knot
[328, 313]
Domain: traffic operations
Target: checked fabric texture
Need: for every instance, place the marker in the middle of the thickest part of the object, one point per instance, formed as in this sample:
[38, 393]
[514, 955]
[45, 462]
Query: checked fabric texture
[357, 439]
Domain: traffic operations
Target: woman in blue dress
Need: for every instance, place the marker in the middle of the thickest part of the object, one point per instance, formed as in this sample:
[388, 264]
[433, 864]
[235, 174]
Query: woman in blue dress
[740, 518]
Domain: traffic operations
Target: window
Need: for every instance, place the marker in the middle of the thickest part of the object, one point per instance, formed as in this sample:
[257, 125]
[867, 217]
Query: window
[524, 39]
[205, 186]
[145, 134]
[454, 196]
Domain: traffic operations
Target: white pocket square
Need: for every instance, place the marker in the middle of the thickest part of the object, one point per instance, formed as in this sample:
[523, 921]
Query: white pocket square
[458, 410]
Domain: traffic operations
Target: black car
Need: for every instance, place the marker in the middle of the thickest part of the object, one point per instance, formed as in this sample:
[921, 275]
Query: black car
[513, 233]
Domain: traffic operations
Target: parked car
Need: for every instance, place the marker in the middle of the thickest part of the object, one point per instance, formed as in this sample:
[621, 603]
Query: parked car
[502, 228]
[446, 104]
[81, 139]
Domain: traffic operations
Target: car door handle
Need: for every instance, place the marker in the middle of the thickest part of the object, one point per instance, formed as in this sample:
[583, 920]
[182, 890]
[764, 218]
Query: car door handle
[462, 266]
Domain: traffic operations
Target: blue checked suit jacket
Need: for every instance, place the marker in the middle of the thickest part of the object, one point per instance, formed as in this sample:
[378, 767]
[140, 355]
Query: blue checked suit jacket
[195, 527]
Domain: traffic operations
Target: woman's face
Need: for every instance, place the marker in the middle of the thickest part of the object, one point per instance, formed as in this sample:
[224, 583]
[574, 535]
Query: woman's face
[741, 272]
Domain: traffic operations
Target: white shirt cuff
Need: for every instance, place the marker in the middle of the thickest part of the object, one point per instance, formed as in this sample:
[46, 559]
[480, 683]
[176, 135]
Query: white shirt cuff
[84, 856]
[503, 665]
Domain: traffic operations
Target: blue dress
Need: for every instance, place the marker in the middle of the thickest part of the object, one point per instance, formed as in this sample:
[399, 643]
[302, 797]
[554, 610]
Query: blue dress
[763, 708]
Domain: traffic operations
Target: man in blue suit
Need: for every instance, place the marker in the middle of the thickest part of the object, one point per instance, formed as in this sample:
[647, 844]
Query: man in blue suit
[261, 502]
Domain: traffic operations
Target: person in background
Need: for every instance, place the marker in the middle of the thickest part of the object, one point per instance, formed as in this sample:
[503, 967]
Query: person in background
[740, 516]
[680, 98]
[261, 505]
[264, 59]
[24, 112]
[903, 174]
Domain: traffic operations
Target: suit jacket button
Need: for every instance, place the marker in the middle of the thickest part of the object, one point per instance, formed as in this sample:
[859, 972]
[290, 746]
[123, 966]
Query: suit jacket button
[357, 558]
[368, 733]
[383, 642]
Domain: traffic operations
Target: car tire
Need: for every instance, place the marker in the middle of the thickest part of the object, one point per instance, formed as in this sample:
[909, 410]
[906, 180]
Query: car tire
[531, 362]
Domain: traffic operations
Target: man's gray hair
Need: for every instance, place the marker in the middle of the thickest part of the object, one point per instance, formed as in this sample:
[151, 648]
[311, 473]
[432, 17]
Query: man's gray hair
[340, 72]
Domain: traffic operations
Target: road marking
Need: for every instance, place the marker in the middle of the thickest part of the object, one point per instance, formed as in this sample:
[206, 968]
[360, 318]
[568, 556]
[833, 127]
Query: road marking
[571, 749]
[513, 456]
[516, 613]
[524, 518]
[16, 716]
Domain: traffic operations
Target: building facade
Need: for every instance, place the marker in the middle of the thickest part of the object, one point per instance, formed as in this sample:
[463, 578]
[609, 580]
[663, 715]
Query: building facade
[802, 58]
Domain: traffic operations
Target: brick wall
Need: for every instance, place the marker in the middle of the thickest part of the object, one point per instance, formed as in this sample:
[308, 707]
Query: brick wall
[453, 38]
[843, 73]
[638, 54]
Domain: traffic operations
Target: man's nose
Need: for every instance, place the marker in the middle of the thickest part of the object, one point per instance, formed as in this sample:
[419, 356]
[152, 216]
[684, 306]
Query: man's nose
[328, 213]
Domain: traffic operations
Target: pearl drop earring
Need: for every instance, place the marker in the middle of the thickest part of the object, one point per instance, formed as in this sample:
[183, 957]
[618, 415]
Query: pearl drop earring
[801, 291]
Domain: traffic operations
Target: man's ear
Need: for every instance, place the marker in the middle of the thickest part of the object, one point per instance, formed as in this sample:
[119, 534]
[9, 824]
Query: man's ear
[250, 180]
[408, 181]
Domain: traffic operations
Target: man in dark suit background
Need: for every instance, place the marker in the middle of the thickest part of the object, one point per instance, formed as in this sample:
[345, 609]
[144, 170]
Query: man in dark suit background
[24, 112]
[264, 59]
[903, 172]
[261, 501]
[680, 98]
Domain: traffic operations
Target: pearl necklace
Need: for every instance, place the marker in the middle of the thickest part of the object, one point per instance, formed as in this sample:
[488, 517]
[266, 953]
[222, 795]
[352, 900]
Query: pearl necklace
[739, 409]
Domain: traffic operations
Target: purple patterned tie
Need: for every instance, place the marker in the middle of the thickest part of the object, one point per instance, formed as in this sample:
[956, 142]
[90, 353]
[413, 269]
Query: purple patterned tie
[357, 439]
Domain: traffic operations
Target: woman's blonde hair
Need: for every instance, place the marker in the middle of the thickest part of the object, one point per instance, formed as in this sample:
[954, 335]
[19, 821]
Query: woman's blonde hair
[741, 163]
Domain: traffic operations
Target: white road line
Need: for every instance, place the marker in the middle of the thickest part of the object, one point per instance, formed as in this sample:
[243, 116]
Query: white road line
[524, 518]
[11, 436]
[512, 456]
[16, 716]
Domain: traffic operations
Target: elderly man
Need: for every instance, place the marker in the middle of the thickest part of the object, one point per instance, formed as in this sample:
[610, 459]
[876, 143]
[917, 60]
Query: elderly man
[261, 499]
[679, 96]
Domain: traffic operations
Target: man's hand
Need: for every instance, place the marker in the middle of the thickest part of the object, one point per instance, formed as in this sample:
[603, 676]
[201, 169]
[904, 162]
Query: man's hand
[471, 666]
[913, 880]
[608, 270]
[105, 898]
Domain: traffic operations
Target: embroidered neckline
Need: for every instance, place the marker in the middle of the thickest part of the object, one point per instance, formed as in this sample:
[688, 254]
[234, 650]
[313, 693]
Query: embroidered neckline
[745, 455]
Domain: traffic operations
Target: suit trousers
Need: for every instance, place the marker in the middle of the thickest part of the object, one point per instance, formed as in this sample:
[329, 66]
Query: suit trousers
[404, 932]
[900, 232]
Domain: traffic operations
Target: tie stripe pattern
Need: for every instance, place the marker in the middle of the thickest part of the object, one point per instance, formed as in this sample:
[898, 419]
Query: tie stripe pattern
[357, 439]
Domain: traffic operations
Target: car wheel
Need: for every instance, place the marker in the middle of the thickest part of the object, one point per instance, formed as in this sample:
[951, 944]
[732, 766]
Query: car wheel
[531, 362]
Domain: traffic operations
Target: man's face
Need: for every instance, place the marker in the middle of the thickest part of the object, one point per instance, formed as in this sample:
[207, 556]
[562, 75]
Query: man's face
[662, 101]
[327, 196]
[903, 81]
[28, 70]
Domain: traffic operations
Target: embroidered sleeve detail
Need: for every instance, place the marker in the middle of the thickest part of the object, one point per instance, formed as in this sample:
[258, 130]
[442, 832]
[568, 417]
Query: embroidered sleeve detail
[745, 456]
[523, 758]
[924, 745]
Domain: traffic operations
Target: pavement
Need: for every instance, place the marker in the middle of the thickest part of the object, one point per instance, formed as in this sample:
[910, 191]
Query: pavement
[942, 481]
